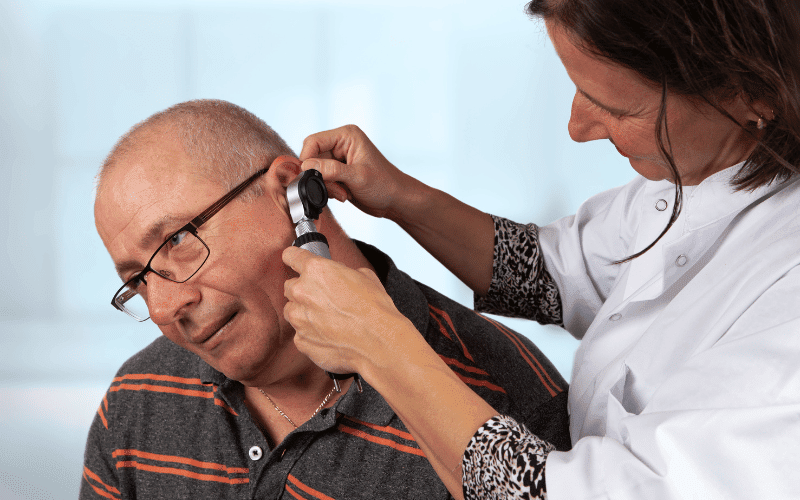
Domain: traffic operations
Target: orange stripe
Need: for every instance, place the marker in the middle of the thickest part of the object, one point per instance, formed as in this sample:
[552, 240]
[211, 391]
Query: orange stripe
[101, 492]
[528, 357]
[390, 430]
[530, 354]
[441, 327]
[294, 493]
[222, 404]
[165, 378]
[94, 476]
[309, 490]
[102, 417]
[181, 460]
[449, 322]
[185, 473]
[455, 362]
[105, 400]
[380, 440]
[162, 388]
[480, 383]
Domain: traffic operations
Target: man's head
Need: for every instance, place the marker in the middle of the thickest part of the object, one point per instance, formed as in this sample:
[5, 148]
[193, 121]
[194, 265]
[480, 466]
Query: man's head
[162, 174]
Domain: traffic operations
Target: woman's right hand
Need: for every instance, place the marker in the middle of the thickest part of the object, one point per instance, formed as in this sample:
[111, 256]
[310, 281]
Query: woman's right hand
[355, 170]
[459, 236]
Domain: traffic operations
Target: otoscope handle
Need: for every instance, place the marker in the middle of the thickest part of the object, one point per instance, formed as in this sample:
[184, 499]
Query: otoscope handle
[309, 239]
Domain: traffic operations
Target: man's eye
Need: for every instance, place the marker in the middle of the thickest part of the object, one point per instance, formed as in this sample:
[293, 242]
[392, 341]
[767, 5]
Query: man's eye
[135, 283]
[178, 238]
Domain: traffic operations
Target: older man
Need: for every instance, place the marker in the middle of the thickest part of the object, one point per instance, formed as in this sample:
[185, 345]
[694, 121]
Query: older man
[191, 205]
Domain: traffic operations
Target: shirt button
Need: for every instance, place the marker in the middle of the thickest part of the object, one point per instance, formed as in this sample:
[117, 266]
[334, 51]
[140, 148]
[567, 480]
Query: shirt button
[615, 317]
[661, 205]
[681, 260]
[256, 453]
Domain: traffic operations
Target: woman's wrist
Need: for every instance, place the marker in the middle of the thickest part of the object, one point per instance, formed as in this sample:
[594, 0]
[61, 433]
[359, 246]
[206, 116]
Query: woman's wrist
[396, 341]
[408, 201]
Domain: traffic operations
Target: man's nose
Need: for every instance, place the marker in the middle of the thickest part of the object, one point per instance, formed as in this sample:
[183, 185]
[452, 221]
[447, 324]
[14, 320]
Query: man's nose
[585, 123]
[169, 301]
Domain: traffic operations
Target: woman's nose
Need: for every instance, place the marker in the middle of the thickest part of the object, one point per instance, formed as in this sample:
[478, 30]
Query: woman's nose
[169, 301]
[585, 122]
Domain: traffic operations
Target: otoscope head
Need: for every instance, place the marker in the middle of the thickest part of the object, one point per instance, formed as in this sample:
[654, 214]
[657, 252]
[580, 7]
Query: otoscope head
[307, 196]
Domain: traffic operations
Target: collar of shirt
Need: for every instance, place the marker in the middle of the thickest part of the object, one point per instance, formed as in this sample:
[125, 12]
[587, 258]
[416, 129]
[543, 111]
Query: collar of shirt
[368, 406]
[711, 201]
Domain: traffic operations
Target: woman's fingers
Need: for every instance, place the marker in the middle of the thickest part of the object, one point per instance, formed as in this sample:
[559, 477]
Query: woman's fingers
[338, 143]
[337, 177]
[334, 311]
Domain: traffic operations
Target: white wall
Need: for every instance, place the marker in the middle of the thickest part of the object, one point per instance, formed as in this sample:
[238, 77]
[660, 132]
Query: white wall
[467, 95]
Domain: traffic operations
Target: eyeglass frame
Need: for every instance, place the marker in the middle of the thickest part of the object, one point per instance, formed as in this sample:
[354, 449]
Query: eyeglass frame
[191, 227]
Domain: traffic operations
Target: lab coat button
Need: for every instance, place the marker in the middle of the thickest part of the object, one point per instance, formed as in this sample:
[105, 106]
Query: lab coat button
[681, 260]
[661, 205]
[256, 453]
[615, 317]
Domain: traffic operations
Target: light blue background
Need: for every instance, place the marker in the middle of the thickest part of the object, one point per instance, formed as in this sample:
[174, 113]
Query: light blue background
[466, 95]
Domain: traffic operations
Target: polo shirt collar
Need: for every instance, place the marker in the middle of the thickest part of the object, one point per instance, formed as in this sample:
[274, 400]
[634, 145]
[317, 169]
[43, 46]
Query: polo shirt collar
[369, 406]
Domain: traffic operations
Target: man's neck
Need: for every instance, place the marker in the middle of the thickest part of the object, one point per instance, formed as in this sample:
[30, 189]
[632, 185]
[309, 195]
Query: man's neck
[342, 248]
[299, 395]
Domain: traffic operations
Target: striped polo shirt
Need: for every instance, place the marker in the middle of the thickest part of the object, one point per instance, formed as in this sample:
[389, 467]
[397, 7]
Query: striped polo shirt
[171, 427]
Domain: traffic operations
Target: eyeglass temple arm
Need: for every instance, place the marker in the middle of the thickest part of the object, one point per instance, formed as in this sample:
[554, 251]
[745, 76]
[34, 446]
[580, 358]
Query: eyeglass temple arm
[216, 207]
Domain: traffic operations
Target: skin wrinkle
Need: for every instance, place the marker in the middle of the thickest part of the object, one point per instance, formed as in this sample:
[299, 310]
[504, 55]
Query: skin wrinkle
[602, 86]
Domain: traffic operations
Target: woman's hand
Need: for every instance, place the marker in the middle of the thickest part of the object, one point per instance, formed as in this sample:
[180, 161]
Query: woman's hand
[346, 323]
[459, 236]
[342, 317]
[355, 170]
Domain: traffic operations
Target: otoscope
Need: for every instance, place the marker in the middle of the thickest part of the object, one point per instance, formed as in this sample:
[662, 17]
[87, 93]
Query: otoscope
[307, 196]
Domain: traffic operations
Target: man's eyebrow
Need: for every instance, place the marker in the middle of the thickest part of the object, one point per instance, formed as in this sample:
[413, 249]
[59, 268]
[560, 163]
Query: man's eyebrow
[154, 235]
[601, 105]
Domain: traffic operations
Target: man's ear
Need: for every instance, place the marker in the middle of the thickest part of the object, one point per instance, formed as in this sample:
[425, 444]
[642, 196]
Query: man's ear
[281, 173]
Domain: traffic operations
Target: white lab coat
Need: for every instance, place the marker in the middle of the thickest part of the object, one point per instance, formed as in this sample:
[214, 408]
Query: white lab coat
[687, 380]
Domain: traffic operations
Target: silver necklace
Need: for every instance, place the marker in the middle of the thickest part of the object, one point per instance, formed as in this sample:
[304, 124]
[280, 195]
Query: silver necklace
[324, 402]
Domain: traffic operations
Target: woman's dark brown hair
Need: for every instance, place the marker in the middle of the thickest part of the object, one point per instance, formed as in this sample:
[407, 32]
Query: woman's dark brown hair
[707, 50]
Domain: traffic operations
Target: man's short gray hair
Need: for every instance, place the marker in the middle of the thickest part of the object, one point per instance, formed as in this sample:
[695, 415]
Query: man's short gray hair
[225, 142]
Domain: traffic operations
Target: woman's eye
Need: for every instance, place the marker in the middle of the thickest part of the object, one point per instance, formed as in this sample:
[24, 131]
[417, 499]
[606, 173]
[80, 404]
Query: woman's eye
[178, 238]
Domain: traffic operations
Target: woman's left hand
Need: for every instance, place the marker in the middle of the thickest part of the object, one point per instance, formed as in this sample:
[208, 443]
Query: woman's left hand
[343, 317]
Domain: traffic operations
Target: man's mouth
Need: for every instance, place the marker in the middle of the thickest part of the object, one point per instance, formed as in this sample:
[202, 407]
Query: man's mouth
[216, 330]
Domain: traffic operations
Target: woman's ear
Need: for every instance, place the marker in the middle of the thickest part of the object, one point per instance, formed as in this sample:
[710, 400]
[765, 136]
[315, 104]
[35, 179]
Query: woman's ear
[755, 110]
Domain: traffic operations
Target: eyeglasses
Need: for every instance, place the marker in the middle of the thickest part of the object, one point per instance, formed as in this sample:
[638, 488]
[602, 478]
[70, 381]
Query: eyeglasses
[177, 259]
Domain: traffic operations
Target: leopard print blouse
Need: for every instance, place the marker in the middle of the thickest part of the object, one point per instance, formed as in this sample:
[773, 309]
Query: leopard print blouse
[503, 459]
[521, 286]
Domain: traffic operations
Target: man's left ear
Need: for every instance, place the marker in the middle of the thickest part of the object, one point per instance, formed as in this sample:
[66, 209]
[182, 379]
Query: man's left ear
[281, 173]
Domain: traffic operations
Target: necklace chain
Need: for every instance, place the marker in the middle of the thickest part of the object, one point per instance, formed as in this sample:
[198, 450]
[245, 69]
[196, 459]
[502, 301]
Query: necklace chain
[321, 405]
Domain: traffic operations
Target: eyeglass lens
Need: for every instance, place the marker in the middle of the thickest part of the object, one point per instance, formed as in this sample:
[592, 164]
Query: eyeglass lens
[178, 259]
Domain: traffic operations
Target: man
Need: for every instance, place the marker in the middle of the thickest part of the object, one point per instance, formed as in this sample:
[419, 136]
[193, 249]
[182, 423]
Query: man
[224, 405]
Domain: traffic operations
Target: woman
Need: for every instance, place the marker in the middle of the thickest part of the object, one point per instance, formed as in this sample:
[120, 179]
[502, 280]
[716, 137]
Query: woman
[682, 285]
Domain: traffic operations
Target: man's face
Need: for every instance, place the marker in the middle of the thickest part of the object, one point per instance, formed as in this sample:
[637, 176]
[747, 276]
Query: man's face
[231, 312]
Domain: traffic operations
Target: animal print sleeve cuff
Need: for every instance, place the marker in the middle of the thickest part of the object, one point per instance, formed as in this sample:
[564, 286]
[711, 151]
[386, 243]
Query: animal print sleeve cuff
[521, 286]
[504, 460]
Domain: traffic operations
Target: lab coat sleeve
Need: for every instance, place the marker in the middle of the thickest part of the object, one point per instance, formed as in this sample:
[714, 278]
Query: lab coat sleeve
[725, 425]
[580, 251]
